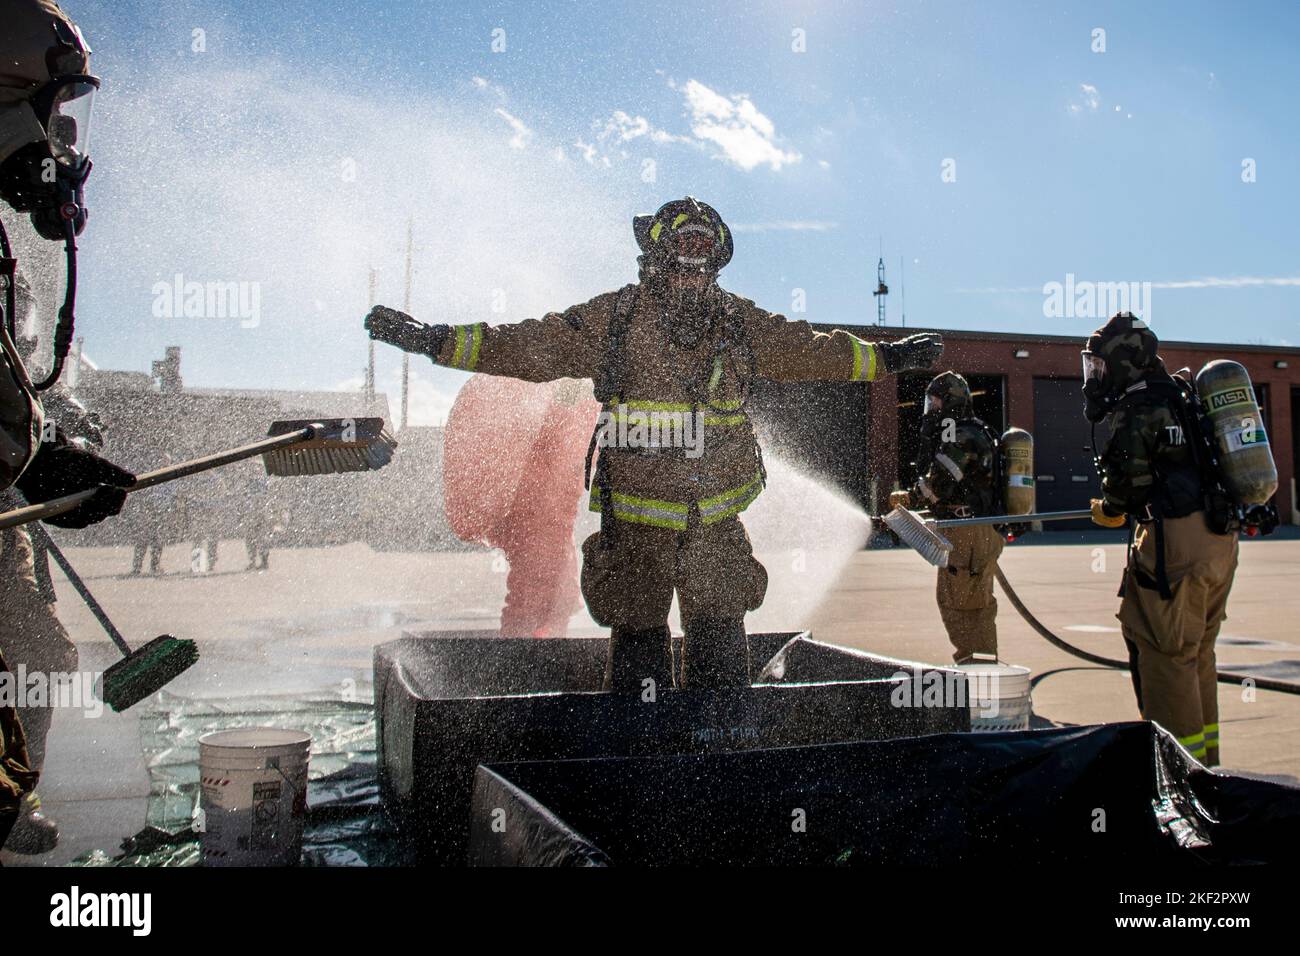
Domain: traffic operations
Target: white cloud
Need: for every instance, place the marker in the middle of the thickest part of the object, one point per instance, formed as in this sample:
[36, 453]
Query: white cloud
[1091, 99]
[488, 87]
[1236, 282]
[732, 127]
[622, 128]
[735, 126]
[786, 225]
[522, 134]
[1207, 282]
[591, 154]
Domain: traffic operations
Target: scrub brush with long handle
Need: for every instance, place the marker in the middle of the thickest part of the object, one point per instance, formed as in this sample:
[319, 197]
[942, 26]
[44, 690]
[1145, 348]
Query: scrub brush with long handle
[140, 672]
[922, 534]
[323, 447]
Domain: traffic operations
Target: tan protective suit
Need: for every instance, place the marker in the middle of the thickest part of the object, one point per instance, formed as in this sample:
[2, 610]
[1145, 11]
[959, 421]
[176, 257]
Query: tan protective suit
[964, 591]
[675, 511]
[1175, 674]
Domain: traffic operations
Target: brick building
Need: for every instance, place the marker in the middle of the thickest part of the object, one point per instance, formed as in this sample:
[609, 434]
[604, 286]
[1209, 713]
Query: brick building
[865, 439]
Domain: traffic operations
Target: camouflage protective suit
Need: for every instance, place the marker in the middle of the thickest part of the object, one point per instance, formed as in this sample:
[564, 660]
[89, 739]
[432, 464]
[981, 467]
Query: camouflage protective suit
[960, 481]
[20, 426]
[44, 62]
[1176, 585]
[31, 634]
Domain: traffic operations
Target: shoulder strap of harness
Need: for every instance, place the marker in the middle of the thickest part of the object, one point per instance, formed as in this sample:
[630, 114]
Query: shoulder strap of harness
[1182, 403]
[608, 386]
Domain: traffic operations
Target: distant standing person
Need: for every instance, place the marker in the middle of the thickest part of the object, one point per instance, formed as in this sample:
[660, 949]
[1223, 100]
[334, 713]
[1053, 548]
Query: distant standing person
[203, 515]
[154, 516]
[256, 521]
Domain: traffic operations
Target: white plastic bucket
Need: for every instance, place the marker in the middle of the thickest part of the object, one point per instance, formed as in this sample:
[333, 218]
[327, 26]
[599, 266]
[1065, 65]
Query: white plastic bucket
[999, 696]
[253, 796]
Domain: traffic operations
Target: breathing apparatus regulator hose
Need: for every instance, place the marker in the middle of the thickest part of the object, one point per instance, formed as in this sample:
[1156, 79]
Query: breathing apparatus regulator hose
[1224, 677]
[66, 325]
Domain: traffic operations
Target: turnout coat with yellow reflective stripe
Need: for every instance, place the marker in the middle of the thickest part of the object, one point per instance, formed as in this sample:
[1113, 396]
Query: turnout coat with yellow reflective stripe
[658, 378]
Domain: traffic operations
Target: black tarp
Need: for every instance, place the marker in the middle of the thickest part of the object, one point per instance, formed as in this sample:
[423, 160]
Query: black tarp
[1118, 794]
[445, 704]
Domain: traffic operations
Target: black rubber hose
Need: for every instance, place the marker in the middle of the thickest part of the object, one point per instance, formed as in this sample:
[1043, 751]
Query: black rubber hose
[1225, 677]
[66, 325]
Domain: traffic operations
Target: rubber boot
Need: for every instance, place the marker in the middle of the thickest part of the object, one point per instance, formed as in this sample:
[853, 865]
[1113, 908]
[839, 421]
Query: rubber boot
[715, 653]
[637, 655]
[33, 832]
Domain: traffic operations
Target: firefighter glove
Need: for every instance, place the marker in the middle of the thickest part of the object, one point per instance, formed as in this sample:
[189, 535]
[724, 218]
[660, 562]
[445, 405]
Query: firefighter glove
[916, 351]
[1102, 515]
[62, 469]
[399, 329]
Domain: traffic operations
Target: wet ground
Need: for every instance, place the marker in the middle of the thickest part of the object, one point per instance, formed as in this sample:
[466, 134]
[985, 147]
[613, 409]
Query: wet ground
[308, 624]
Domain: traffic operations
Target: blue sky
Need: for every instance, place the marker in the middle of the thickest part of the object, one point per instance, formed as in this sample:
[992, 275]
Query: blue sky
[288, 144]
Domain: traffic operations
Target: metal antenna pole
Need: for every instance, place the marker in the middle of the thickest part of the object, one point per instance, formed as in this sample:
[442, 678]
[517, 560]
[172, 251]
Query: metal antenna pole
[370, 362]
[902, 290]
[882, 290]
[406, 307]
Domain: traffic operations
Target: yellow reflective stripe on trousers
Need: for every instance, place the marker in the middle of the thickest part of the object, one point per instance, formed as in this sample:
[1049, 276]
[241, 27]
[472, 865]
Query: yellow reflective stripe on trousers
[469, 339]
[730, 502]
[642, 406]
[648, 418]
[660, 514]
[864, 365]
[670, 514]
[1195, 743]
[1211, 735]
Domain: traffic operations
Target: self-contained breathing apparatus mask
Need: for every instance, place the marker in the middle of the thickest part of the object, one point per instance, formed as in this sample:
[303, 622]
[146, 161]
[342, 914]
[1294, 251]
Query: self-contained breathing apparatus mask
[683, 247]
[1095, 398]
[1115, 357]
[46, 137]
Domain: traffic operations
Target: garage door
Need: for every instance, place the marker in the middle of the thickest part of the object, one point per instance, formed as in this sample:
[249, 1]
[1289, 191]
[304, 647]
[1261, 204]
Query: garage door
[1063, 450]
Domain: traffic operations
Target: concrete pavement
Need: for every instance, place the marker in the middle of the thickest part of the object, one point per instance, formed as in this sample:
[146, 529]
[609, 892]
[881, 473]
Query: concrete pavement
[308, 625]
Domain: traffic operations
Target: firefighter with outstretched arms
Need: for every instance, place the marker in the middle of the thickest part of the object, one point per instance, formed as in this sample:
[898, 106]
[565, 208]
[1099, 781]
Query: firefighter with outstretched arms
[672, 357]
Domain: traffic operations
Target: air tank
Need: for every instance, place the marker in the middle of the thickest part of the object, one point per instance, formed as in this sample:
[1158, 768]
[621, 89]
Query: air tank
[1228, 398]
[1017, 450]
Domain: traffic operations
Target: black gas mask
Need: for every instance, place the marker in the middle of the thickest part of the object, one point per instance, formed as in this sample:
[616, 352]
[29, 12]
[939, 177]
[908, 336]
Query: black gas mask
[931, 415]
[46, 179]
[1098, 399]
[1117, 356]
